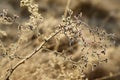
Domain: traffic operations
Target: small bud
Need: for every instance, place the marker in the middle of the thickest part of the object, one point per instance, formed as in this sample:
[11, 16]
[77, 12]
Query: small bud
[106, 60]
[31, 27]
[15, 17]
[80, 15]
[94, 65]
[103, 52]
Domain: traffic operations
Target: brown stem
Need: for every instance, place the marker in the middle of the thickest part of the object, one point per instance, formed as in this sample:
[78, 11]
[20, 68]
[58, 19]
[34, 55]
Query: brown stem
[10, 71]
[67, 7]
[112, 77]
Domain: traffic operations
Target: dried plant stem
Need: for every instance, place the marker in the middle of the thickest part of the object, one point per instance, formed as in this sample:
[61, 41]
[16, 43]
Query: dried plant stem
[112, 77]
[67, 7]
[10, 71]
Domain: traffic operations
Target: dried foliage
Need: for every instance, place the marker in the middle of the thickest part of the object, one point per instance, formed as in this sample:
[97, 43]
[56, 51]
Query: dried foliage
[91, 42]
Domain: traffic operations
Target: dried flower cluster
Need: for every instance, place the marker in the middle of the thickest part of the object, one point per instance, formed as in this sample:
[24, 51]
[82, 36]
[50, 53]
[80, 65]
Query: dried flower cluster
[6, 19]
[91, 42]
[31, 26]
[93, 48]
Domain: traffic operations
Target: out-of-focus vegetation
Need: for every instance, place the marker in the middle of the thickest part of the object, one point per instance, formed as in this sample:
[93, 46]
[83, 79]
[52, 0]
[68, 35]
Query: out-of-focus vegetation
[46, 65]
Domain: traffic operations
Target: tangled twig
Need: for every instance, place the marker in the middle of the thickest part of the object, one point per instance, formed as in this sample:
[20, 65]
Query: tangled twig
[10, 71]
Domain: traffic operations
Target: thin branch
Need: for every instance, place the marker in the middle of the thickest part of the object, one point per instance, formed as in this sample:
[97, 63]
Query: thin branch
[10, 71]
[67, 7]
[112, 77]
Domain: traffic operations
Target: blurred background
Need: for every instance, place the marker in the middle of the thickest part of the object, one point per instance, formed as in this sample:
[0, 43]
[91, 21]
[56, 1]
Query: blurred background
[97, 13]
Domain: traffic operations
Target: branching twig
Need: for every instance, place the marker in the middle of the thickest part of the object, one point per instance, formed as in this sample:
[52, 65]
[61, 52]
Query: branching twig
[10, 71]
[66, 9]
